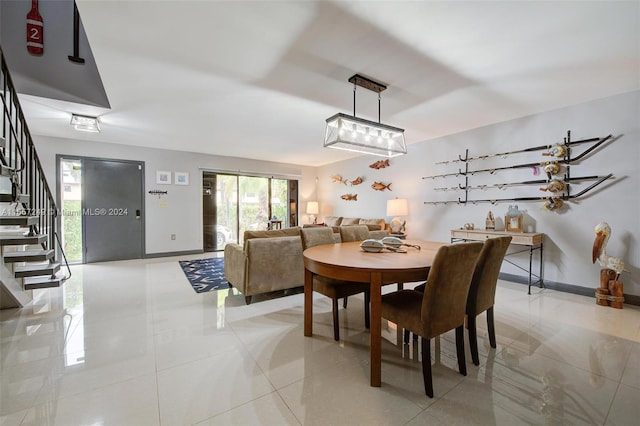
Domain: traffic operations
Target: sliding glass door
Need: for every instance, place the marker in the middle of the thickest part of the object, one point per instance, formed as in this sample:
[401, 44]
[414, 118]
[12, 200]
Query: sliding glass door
[233, 204]
[253, 204]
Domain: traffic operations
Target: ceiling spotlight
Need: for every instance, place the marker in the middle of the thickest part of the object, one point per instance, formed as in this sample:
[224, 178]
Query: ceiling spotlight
[85, 123]
[350, 133]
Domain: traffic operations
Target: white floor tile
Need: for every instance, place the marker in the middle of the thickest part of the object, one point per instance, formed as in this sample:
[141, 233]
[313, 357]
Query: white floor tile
[538, 389]
[342, 395]
[182, 345]
[13, 419]
[631, 375]
[133, 402]
[193, 392]
[625, 409]
[268, 410]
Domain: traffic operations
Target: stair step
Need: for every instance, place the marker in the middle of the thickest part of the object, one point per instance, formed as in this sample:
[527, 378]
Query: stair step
[33, 283]
[28, 256]
[6, 170]
[23, 221]
[36, 270]
[7, 240]
[8, 198]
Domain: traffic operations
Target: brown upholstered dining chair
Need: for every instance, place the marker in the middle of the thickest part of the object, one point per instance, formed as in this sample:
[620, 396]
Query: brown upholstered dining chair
[442, 305]
[482, 293]
[334, 289]
[351, 233]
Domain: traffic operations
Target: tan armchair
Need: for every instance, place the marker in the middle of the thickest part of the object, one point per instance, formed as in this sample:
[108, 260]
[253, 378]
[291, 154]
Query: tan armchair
[331, 288]
[442, 305]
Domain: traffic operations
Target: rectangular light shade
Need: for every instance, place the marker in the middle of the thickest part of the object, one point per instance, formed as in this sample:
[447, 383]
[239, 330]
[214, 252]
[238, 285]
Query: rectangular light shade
[397, 207]
[312, 207]
[355, 134]
[85, 123]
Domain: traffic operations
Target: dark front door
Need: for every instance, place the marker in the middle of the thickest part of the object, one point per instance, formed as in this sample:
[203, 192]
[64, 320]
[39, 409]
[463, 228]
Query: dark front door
[112, 210]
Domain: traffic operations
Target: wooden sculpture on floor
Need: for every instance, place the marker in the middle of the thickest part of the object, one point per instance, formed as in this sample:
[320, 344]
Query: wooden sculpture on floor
[611, 291]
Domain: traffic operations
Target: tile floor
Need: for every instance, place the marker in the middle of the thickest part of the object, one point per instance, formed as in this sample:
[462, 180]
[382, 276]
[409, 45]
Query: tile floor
[130, 343]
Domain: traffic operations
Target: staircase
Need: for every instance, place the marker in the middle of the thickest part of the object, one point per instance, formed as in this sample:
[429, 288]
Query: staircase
[29, 242]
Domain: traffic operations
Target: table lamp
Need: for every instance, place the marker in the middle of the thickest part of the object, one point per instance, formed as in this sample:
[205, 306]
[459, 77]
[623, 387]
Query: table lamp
[397, 207]
[312, 210]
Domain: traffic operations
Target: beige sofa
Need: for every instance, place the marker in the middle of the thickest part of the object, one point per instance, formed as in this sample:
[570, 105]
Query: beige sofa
[374, 224]
[266, 261]
[269, 261]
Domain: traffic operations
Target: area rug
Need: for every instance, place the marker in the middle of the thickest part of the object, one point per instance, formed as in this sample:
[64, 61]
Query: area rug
[205, 274]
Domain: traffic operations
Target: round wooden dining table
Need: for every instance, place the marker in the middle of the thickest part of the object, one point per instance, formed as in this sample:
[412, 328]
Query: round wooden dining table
[348, 262]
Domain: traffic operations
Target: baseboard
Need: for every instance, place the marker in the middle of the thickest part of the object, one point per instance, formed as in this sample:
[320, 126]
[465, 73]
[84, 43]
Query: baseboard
[173, 253]
[567, 288]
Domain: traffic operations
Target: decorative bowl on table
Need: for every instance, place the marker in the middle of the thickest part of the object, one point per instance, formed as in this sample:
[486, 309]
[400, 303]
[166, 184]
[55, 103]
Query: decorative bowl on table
[372, 246]
[394, 242]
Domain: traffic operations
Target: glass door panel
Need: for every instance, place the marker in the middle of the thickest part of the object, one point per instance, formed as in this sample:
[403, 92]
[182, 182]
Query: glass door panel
[279, 189]
[253, 203]
[219, 210]
[71, 196]
[227, 211]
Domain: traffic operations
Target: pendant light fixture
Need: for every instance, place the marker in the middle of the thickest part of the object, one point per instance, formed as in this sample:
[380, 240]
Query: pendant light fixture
[350, 133]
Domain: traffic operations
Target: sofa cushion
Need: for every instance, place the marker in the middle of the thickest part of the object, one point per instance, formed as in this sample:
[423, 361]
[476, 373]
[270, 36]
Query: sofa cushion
[286, 232]
[350, 221]
[333, 220]
[379, 222]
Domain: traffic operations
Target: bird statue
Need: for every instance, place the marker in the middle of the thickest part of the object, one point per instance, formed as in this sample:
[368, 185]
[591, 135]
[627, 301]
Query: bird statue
[603, 232]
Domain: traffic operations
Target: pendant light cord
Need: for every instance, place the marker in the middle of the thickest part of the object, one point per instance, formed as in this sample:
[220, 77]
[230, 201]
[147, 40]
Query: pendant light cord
[354, 98]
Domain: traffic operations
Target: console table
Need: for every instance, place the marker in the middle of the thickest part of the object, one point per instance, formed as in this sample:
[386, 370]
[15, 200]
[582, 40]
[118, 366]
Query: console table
[531, 240]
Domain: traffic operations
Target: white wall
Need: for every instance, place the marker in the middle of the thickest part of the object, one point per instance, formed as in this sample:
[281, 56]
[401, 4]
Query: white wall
[569, 232]
[180, 211]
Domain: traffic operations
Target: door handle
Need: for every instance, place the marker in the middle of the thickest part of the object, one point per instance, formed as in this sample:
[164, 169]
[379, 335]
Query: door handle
[138, 214]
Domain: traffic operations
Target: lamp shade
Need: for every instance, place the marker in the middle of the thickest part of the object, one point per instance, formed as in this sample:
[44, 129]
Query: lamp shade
[351, 133]
[312, 207]
[397, 207]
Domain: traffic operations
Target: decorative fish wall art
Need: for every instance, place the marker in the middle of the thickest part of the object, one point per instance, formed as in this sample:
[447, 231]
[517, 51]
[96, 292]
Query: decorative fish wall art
[356, 181]
[379, 186]
[380, 164]
[349, 197]
[338, 179]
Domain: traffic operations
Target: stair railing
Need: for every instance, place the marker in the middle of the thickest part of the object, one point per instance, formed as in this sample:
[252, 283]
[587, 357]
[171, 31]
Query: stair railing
[24, 167]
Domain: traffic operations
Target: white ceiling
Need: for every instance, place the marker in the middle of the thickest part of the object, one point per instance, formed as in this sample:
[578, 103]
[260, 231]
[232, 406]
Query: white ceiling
[258, 79]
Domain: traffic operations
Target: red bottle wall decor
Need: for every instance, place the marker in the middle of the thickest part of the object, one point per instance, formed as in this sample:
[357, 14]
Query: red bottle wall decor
[35, 30]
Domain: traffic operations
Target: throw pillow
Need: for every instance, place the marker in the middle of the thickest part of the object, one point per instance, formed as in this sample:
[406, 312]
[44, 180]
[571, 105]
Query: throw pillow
[333, 220]
[379, 222]
[350, 221]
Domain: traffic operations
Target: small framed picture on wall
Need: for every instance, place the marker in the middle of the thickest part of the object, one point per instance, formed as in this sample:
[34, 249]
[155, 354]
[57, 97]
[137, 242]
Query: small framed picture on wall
[181, 178]
[163, 177]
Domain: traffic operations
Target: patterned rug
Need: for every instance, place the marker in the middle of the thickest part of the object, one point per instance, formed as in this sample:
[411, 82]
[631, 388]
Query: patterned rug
[205, 274]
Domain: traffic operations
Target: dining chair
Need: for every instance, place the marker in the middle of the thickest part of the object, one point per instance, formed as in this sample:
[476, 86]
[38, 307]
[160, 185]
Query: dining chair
[334, 289]
[352, 233]
[442, 305]
[482, 293]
